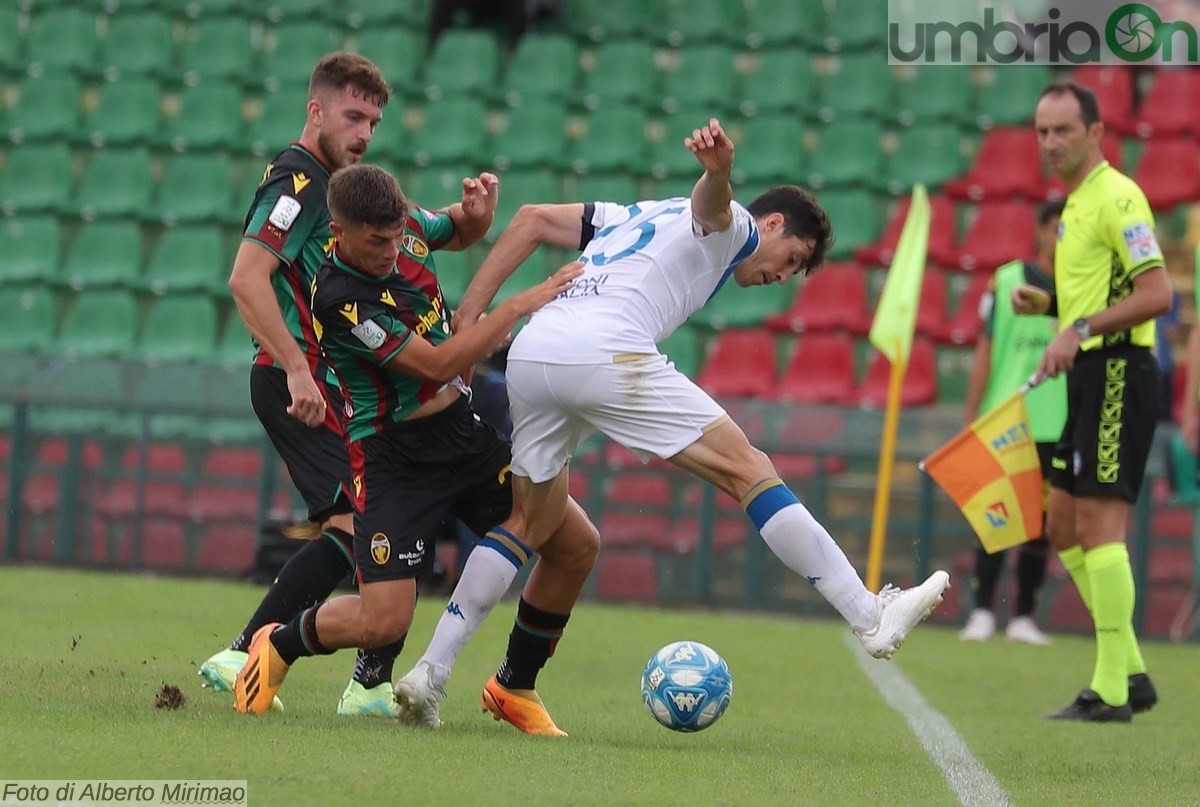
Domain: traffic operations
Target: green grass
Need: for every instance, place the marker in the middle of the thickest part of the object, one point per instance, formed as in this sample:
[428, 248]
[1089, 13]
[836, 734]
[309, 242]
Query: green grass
[85, 654]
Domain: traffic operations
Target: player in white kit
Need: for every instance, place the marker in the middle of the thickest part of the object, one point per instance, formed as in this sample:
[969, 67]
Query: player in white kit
[588, 361]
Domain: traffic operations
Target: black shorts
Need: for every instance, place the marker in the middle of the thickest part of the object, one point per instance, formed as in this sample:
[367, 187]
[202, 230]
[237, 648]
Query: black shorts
[1112, 409]
[411, 475]
[316, 457]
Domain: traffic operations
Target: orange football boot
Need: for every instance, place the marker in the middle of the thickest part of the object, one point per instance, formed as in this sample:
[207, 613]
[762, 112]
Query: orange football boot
[257, 682]
[521, 707]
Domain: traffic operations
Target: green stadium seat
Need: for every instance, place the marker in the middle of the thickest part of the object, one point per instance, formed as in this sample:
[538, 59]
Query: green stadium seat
[453, 131]
[217, 48]
[195, 188]
[61, 39]
[434, 187]
[623, 73]
[188, 258]
[10, 40]
[683, 348]
[855, 24]
[534, 270]
[705, 76]
[544, 66]
[932, 93]
[28, 321]
[116, 182]
[782, 81]
[282, 119]
[112, 7]
[463, 62]
[36, 179]
[771, 148]
[535, 137]
[234, 347]
[520, 188]
[861, 86]
[288, 11]
[849, 152]
[126, 114]
[668, 156]
[179, 328]
[600, 20]
[682, 186]
[31, 250]
[373, 14]
[929, 154]
[454, 270]
[772, 23]
[615, 141]
[100, 323]
[618, 188]
[244, 190]
[202, 9]
[686, 22]
[209, 116]
[47, 108]
[855, 219]
[1010, 96]
[737, 307]
[137, 45]
[298, 46]
[397, 53]
[104, 253]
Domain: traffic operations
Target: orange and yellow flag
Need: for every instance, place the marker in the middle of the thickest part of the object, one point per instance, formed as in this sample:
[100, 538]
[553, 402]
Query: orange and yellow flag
[991, 471]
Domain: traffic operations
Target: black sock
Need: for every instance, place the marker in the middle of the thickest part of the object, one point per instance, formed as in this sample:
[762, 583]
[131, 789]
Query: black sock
[306, 579]
[1031, 572]
[534, 637]
[299, 638]
[374, 665]
[987, 572]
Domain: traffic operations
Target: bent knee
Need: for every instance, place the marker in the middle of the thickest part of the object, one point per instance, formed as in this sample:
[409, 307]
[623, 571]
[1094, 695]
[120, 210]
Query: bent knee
[384, 629]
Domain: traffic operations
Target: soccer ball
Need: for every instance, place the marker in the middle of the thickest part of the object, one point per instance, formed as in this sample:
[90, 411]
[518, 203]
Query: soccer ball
[687, 686]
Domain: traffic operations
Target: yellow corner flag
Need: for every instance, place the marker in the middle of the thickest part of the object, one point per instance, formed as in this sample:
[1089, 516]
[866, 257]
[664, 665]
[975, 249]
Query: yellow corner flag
[896, 314]
[991, 471]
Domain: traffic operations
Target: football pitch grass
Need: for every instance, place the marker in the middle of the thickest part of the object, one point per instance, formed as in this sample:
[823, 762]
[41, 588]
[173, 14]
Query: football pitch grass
[85, 653]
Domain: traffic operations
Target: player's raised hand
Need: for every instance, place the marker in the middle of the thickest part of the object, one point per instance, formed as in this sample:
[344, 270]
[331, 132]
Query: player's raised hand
[480, 195]
[1028, 299]
[308, 404]
[534, 298]
[712, 147]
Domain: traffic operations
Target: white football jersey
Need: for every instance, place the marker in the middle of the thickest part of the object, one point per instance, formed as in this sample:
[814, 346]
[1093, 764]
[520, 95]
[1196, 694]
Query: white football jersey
[647, 269]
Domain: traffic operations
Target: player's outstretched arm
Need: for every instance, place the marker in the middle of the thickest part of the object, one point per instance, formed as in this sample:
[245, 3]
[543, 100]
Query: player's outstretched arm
[534, 225]
[712, 195]
[459, 353]
[473, 216]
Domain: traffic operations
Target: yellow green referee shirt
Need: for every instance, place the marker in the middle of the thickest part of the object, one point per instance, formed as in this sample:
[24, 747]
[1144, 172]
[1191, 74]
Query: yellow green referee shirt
[1105, 240]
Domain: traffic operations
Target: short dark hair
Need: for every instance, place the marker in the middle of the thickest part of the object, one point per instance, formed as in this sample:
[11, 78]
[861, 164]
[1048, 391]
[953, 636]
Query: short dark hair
[1050, 210]
[1089, 107]
[337, 71]
[802, 218]
[365, 195]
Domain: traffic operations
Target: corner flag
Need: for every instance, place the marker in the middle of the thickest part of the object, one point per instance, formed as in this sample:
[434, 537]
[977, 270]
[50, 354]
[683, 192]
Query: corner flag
[896, 315]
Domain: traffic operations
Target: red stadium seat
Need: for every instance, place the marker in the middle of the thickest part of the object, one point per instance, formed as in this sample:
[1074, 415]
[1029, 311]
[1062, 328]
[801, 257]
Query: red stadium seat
[834, 298]
[821, 370]
[1169, 172]
[628, 575]
[165, 458]
[639, 489]
[120, 499]
[163, 545]
[931, 316]
[1008, 164]
[53, 453]
[220, 503]
[740, 365]
[1001, 232]
[1114, 89]
[964, 323]
[619, 528]
[731, 532]
[943, 239]
[1169, 108]
[226, 549]
[233, 462]
[920, 379]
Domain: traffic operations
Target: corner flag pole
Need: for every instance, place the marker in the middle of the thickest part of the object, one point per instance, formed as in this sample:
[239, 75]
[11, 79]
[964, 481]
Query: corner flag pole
[887, 457]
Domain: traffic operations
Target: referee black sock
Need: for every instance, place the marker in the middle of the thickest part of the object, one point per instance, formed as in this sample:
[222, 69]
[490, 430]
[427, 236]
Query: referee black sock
[374, 664]
[987, 572]
[533, 640]
[1031, 573]
[308, 578]
[299, 638]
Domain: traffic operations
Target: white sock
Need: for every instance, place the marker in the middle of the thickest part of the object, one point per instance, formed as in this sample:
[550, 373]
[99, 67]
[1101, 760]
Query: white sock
[488, 573]
[807, 548]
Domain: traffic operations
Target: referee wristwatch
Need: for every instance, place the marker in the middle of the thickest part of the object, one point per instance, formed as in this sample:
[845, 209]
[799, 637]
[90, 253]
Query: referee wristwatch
[1081, 327]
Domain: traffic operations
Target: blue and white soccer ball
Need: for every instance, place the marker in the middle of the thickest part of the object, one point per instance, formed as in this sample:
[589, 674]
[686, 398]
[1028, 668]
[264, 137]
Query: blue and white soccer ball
[687, 686]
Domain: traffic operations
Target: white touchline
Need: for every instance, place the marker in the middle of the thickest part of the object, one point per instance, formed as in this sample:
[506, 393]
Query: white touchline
[968, 778]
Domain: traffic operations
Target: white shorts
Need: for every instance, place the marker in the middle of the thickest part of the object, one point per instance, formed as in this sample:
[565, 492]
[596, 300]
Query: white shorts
[644, 404]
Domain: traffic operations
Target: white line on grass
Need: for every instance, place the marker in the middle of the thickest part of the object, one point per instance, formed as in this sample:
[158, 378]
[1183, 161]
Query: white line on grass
[968, 778]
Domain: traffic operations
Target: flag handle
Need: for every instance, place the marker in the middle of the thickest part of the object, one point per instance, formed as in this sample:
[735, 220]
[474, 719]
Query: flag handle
[1033, 381]
[887, 456]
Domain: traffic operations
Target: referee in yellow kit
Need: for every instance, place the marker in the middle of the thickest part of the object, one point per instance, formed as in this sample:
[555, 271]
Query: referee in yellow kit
[1110, 284]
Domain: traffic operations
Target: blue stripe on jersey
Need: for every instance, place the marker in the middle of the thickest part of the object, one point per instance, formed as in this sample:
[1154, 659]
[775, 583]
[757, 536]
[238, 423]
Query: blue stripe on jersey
[745, 252]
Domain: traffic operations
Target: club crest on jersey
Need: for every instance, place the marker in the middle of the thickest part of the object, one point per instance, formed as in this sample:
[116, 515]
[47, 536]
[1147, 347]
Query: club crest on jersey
[381, 548]
[415, 246]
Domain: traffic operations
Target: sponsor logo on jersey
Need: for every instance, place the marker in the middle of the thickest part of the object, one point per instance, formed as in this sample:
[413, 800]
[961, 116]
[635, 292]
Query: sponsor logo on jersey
[381, 548]
[370, 334]
[1141, 243]
[426, 321]
[284, 214]
[414, 246]
[300, 182]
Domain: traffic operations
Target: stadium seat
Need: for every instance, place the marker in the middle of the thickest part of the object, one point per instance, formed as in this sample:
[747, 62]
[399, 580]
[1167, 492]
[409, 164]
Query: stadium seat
[518, 188]
[771, 149]
[454, 272]
[296, 47]
[622, 73]
[164, 546]
[617, 188]
[860, 86]
[139, 44]
[601, 20]
[615, 141]
[687, 22]
[397, 53]
[820, 370]
[1008, 164]
[928, 154]
[854, 24]
[378, 14]
[704, 76]
[194, 188]
[226, 548]
[10, 40]
[281, 120]
[920, 379]
[1114, 86]
[31, 249]
[47, 108]
[942, 248]
[104, 253]
[126, 114]
[683, 349]
[205, 9]
[217, 48]
[545, 67]
[209, 117]
[453, 131]
[963, 328]
[932, 313]
[535, 137]
[627, 575]
[1008, 96]
[934, 93]
[61, 39]
[776, 23]
[834, 298]
[729, 533]
[849, 152]
[855, 219]
[1169, 172]
[116, 182]
[179, 328]
[737, 307]
[188, 258]
[464, 62]
[1000, 232]
[781, 81]
[296, 11]
[100, 323]
[28, 322]
[234, 347]
[36, 179]
[668, 157]
[740, 364]
[1161, 113]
